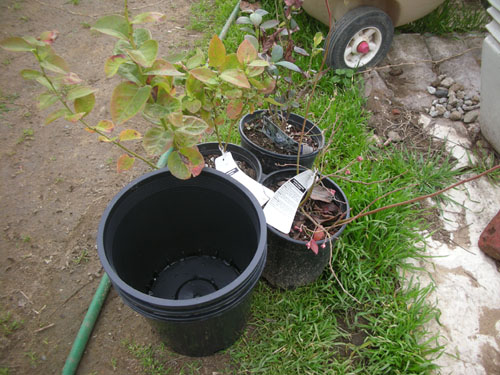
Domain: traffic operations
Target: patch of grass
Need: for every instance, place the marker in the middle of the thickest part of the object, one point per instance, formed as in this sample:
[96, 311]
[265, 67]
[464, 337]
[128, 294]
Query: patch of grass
[4, 371]
[8, 324]
[83, 257]
[202, 12]
[452, 16]
[32, 357]
[28, 135]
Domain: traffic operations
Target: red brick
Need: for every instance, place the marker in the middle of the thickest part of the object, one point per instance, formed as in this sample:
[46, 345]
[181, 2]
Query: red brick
[489, 241]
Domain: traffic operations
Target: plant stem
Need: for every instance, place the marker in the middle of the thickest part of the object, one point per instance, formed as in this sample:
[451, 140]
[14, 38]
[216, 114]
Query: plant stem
[94, 129]
[417, 199]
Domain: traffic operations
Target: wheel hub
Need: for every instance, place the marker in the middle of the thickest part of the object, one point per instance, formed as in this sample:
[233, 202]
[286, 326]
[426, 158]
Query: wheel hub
[363, 48]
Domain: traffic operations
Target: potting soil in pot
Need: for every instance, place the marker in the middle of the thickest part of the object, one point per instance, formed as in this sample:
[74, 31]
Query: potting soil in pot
[193, 277]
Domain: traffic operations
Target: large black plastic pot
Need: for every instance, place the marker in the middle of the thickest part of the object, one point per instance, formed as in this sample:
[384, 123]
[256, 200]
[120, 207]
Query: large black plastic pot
[272, 161]
[290, 263]
[239, 154]
[185, 254]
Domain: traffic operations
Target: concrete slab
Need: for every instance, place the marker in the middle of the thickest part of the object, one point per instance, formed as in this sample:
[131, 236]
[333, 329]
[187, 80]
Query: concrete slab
[410, 87]
[465, 69]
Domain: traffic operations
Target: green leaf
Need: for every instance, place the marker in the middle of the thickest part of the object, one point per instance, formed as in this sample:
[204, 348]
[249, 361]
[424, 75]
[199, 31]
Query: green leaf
[318, 38]
[113, 63]
[46, 100]
[127, 100]
[33, 41]
[269, 24]
[157, 140]
[162, 161]
[194, 87]
[262, 12]
[85, 104]
[124, 163]
[55, 64]
[256, 19]
[170, 103]
[276, 53]
[196, 60]
[234, 109]
[79, 92]
[216, 52]
[246, 52]
[243, 21]
[163, 68]
[236, 77]
[191, 105]
[30, 74]
[204, 75]
[130, 72]
[129, 135]
[74, 117]
[231, 62]
[105, 126]
[252, 39]
[141, 36]
[289, 65]
[192, 126]
[185, 162]
[121, 47]
[16, 44]
[234, 94]
[56, 115]
[149, 17]
[44, 82]
[146, 54]
[175, 57]
[259, 62]
[113, 25]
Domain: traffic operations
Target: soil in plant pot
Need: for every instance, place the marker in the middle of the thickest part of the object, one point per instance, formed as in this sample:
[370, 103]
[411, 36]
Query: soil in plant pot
[243, 165]
[321, 206]
[253, 130]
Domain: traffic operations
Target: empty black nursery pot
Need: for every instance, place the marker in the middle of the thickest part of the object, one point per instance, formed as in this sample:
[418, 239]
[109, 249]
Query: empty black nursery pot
[185, 254]
[272, 161]
[290, 263]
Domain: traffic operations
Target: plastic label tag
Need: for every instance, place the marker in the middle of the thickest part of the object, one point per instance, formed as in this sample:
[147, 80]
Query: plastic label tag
[281, 208]
[227, 165]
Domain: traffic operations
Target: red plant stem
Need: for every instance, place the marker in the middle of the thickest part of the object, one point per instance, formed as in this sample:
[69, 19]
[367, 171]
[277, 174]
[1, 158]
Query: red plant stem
[417, 199]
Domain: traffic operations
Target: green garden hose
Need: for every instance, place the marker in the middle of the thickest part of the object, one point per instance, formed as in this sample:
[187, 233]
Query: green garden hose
[87, 326]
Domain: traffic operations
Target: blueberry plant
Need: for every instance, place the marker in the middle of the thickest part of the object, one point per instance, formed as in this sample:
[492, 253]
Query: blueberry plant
[182, 99]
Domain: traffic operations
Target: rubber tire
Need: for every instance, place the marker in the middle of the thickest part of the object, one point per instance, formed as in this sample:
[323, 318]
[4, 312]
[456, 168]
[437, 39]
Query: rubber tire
[352, 22]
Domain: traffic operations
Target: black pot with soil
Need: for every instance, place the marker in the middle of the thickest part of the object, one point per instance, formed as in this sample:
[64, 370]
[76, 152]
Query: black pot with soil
[246, 161]
[185, 254]
[269, 154]
[290, 263]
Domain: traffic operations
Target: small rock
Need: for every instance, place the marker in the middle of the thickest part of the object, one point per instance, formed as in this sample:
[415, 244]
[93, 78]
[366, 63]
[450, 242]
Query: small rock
[449, 107]
[459, 109]
[424, 120]
[394, 136]
[431, 90]
[474, 130]
[456, 87]
[476, 98]
[436, 82]
[435, 101]
[441, 93]
[441, 77]
[440, 109]
[471, 116]
[375, 139]
[434, 113]
[467, 97]
[442, 100]
[447, 82]
[471, 107]
[396, 72]
[452, 99]
[460, 94]
[447, 114]
[468, 102]
[455, 116]
[489, 241]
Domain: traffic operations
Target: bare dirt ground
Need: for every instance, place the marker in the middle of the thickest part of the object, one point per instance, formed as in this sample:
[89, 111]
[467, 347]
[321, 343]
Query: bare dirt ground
[55, 183]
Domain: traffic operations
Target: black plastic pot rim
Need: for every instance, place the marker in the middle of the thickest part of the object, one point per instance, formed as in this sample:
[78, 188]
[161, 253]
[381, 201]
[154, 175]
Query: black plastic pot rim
[195, 304]
[272, 153]
[299, 242]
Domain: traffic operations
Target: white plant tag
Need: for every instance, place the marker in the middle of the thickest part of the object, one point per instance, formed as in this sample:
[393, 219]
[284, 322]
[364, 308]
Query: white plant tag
[281, 208]
[227, 165]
